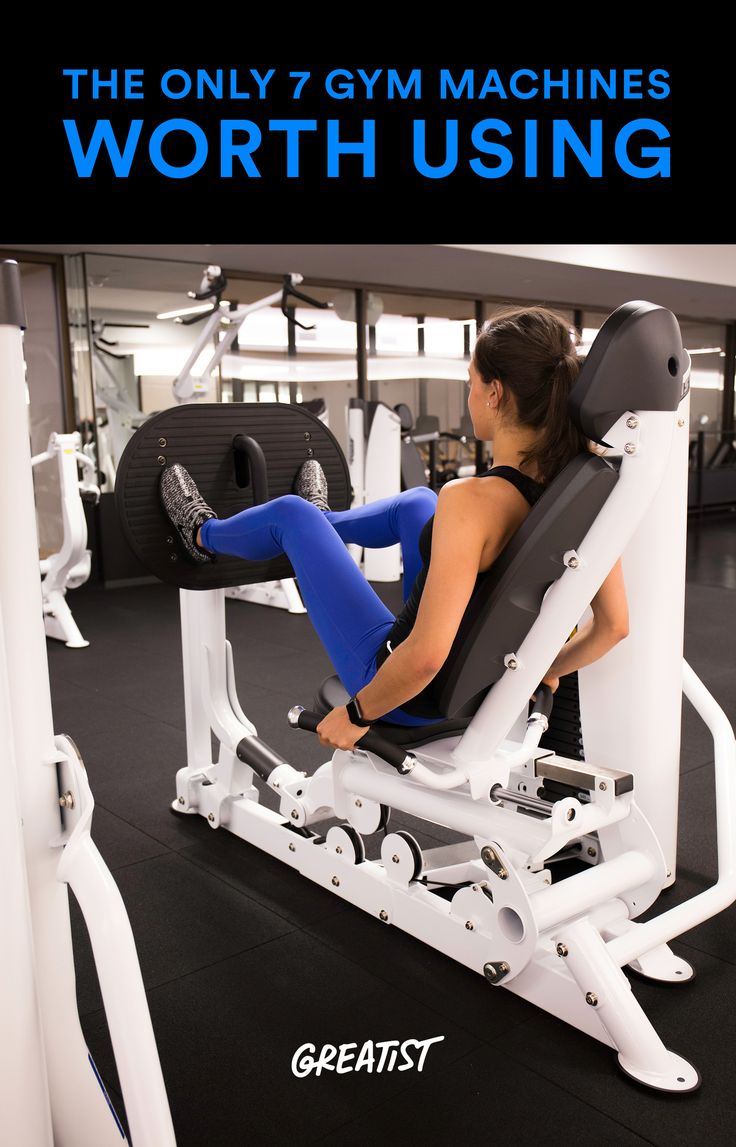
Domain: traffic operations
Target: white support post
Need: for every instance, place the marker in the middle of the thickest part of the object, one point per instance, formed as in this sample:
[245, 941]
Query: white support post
[24, 1087]
[631, 700]
[641, 1052]
[81, 1113]
[383, 480]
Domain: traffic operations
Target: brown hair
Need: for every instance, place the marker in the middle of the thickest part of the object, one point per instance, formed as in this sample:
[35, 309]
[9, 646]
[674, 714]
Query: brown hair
[532, 351]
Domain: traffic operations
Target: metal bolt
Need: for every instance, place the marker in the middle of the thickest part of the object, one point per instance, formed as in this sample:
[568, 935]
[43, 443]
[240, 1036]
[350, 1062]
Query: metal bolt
[470, 925]
[383, 914]
[170, 540]
[630, 448]
[603, 786]
[173, 558]
[211, 817]
[570, 814]
[294, 814]
[161, 460]
[476, 888]
[680, 421]
[336, 882]
[67, 801]
[310, 453]
[307, 436]
[562, 949]
[512, 663]
[358, 803]
[591, 852]
[574, 563]
[339, 849]
[292, 848]
[632, 422]
[395, 858]
[496, 972]
[162, 441]
[592, 999]
[182, 801]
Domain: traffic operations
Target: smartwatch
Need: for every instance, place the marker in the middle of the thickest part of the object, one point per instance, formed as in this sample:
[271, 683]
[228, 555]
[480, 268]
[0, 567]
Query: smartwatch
[355, 714]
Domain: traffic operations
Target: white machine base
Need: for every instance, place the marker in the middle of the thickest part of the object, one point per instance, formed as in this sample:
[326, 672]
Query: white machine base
[682, 1076]
[489, 925]
[59, 622]
[279, 594]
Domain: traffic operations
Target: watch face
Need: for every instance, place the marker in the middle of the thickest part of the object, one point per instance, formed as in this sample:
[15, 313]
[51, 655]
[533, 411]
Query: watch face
[354, 713]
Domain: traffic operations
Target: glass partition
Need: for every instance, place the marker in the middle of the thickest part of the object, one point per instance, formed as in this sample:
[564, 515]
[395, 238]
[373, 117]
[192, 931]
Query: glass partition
[418, 354]
[45, 394]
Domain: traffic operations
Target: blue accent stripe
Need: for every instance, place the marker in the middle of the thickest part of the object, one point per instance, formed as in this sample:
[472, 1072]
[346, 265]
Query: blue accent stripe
[107, 1097]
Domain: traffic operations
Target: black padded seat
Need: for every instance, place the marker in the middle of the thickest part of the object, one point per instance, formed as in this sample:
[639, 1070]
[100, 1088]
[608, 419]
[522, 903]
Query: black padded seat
[332, 694]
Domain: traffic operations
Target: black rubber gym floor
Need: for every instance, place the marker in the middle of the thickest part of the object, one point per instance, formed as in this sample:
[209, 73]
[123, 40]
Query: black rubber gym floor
[244, 960]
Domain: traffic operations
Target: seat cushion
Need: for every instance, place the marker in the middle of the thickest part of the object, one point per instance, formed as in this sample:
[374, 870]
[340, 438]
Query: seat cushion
[331, 695]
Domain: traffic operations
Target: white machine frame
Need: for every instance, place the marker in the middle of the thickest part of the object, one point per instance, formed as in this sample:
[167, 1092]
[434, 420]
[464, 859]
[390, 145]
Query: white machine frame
[70, 567]
[559, 945]
[51, 1094]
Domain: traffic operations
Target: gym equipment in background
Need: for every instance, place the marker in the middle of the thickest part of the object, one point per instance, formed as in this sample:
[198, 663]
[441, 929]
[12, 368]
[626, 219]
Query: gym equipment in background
[374, 452]
[435, 470]
[489, 902]
[116, 399]
[70, 567]
[54, 1094]
[223, 323]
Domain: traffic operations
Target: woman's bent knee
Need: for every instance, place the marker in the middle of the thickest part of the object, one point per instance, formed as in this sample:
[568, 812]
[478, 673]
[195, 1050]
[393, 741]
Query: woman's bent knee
[418, 500]
[290, 507]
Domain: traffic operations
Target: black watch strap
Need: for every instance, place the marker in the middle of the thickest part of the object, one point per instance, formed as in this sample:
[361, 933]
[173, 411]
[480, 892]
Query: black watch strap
[355, 714]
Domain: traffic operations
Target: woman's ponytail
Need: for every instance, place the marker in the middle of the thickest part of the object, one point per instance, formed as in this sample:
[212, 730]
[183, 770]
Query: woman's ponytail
[532, 352]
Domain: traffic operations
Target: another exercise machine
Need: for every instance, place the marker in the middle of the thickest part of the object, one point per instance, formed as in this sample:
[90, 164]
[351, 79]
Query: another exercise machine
[52, 1093]
[491, 902]
[70, 567]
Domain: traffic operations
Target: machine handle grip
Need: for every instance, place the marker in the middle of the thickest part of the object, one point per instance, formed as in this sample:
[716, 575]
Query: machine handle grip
[250, 467]
[393, 755]
[543, 701]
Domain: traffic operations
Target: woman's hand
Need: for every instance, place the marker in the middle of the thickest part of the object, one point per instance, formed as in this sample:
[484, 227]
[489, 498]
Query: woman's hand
[553, 682]
[338, 731]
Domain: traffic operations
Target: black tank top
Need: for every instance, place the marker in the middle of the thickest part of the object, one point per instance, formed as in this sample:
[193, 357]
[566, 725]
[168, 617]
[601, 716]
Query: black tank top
[424, 704]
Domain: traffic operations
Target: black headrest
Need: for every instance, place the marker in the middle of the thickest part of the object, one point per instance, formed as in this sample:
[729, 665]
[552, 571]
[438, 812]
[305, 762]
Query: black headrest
[406, 416]
[635, 363]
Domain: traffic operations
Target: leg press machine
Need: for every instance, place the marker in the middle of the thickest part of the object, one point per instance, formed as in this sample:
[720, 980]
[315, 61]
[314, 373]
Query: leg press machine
[490, 902]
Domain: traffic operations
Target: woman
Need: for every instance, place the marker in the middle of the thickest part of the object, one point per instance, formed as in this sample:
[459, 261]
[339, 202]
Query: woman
[523, 367]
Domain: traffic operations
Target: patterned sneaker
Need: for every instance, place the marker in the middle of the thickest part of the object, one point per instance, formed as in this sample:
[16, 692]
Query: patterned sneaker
[185, 507]
[311, 484]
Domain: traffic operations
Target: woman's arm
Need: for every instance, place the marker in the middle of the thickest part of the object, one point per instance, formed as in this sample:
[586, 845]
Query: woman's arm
[471, 527]
[610, 624]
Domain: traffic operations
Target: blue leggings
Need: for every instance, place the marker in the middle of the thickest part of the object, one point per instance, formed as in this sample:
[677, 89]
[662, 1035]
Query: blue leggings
[350, 619]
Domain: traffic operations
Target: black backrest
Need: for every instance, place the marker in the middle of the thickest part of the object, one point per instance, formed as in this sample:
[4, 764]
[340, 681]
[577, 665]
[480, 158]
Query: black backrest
[508, 597]
[635, 363]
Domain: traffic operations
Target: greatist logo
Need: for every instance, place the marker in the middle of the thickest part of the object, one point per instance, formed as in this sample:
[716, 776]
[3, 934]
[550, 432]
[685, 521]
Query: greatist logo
[373, 1056]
